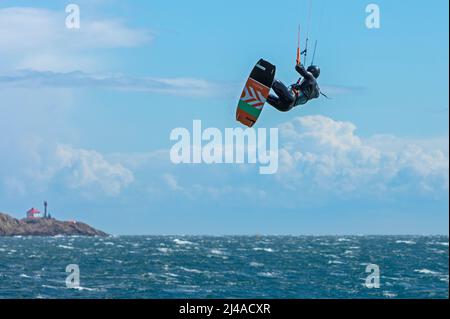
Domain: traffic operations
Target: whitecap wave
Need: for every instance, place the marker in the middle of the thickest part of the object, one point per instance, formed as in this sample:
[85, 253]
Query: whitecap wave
[267, 274]
[389, 294]
[268, 250]
[407, 242]
[217, 252]
[65, 247]
[80, 288]
[426, 271]
[195, 271]
[256, 264]
[182, 242]
[335, 262]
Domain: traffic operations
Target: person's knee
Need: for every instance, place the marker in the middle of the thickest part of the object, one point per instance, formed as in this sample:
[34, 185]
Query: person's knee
[276, 85]
[290, 100]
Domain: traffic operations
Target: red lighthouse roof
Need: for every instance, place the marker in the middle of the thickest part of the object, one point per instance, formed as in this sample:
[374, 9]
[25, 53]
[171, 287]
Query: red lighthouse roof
[32, 213]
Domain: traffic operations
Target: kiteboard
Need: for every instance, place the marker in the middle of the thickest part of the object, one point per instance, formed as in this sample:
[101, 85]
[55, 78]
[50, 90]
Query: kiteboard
[255, 93]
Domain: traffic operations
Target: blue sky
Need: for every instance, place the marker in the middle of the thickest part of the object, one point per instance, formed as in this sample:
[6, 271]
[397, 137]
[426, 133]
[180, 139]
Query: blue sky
[86, 116]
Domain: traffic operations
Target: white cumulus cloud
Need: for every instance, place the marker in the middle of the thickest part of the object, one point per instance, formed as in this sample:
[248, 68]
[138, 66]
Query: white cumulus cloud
[320, 159]
[85, 169]
[321, 154]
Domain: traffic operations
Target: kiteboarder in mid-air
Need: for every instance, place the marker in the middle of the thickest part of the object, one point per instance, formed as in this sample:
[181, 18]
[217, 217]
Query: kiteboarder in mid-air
[299, 93]
[262, 79]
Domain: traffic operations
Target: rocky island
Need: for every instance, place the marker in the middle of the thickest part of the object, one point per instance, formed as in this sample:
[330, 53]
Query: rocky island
[10, 226]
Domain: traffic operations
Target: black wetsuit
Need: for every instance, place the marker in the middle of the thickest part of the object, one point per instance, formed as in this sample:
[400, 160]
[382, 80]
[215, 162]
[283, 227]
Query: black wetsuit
[297, 94]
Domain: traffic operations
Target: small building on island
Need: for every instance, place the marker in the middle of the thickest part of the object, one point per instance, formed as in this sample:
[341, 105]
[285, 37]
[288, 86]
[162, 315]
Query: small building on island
[33, 213]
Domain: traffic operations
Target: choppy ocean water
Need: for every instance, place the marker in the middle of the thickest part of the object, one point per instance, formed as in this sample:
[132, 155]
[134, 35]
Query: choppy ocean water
[225, 267]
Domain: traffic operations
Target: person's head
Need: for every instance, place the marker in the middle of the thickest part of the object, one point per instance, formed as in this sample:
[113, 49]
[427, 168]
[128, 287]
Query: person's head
[314, 70]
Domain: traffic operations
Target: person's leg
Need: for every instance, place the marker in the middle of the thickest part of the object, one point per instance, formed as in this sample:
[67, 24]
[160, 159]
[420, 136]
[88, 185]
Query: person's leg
[284, 102]
[275, 102]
